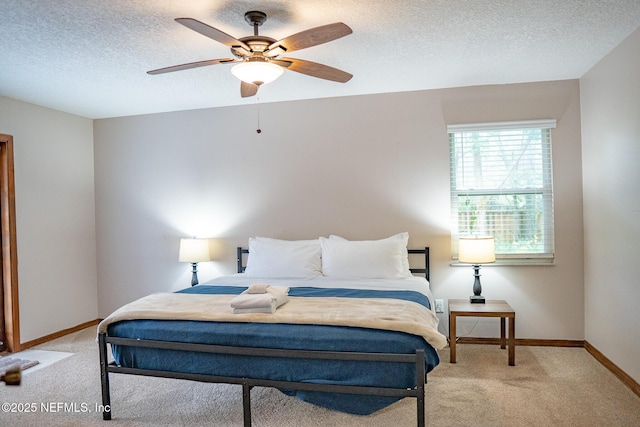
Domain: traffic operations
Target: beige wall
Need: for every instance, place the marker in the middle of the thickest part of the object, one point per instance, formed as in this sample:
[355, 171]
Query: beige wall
[362, 167]
[611, 159]
[53, 159]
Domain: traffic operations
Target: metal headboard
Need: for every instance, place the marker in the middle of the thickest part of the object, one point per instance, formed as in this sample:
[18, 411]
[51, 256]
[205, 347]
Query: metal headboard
[426, 269]
[425, 251]
[241, 264]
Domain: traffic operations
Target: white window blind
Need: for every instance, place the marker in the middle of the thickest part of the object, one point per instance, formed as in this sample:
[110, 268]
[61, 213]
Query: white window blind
[502, 186]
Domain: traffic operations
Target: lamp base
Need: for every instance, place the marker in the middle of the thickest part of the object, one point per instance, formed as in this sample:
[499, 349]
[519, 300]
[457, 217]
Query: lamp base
[476, 299]
[194, 273]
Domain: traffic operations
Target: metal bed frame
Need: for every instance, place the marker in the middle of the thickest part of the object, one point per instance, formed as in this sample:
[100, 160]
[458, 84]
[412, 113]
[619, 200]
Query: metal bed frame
[248, 383]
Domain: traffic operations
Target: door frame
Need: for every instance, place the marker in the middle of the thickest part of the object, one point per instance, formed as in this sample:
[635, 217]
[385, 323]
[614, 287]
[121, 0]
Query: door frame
[8, 246]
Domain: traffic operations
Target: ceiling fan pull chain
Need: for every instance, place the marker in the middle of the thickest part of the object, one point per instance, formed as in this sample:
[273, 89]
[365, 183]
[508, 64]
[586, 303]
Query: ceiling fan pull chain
[258, 104]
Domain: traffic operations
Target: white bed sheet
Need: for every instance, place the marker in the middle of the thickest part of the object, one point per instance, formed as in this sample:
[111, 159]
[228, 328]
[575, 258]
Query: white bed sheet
[414, 283]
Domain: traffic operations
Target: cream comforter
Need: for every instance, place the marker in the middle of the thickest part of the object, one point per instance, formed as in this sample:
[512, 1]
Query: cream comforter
[377, 313]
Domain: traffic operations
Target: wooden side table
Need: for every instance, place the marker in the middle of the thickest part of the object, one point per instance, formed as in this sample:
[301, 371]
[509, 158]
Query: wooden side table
[492, 308]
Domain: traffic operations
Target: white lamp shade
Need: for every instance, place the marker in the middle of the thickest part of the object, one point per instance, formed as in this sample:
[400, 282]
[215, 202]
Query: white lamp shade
[476, 250]
[194, 250]
[257, 72]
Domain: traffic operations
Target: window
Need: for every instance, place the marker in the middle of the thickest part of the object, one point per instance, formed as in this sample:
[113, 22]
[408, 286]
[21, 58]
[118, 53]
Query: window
[501, 186]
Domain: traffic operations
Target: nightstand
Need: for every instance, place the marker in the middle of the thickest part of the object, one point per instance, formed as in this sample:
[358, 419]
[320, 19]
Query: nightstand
[492, 308]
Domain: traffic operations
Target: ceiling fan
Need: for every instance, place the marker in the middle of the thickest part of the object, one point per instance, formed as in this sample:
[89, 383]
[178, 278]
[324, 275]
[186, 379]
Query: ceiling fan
[258, 57]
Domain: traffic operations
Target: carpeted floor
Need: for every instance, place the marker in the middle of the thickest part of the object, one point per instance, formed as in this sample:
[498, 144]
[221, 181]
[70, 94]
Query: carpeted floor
[547, 387]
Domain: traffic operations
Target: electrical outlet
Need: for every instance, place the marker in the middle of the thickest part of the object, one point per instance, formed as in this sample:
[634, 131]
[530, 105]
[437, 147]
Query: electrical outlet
[439, 306]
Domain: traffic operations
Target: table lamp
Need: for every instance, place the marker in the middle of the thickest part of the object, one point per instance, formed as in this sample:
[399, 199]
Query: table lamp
[194, 251]
[476, 250]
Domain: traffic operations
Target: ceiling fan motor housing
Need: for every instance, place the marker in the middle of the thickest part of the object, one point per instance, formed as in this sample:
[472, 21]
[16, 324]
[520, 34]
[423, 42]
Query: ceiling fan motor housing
[256, 43]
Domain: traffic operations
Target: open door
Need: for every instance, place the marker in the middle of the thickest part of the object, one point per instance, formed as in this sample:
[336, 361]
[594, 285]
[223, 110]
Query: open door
[9, 326]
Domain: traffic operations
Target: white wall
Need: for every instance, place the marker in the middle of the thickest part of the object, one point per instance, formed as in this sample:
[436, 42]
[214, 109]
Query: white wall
[610, 94]
[53, 159]
[361, 167]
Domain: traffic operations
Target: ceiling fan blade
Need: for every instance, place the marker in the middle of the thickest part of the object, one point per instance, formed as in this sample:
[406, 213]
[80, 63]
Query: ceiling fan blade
[310, 37]
[248, 89]
[190, 65]
[314, 69]
[213, 33]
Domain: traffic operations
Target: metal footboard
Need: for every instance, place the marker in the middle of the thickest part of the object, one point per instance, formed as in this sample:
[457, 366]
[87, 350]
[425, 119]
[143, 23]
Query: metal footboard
[248, 383]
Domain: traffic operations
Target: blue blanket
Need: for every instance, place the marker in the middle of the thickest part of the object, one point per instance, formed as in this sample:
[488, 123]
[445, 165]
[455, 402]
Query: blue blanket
[306, 337]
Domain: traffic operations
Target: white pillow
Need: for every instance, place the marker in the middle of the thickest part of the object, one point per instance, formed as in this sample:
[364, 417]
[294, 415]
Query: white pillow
[293, 242]
[283, 258]
[378, 259]
[400, 238]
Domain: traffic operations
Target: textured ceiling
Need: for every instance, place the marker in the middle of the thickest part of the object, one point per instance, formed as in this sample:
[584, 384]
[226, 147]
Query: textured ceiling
[90, 57]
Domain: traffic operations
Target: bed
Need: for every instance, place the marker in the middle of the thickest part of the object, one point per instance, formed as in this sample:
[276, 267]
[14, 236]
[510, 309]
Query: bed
[351, 366]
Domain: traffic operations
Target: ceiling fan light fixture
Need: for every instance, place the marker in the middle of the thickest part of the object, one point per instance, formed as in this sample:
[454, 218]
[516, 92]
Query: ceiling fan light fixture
[257, 72]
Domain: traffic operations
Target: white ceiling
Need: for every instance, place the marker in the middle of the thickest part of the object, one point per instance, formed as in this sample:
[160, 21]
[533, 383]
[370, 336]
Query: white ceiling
[90, 57]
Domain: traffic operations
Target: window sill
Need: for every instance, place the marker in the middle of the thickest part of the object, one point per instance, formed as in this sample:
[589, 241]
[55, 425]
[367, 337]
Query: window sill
[544, 262]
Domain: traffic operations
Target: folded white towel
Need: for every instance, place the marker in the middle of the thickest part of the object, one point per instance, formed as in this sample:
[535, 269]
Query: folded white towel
[274, 297]
[280, 293]
[257, 288]
[253, 301]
